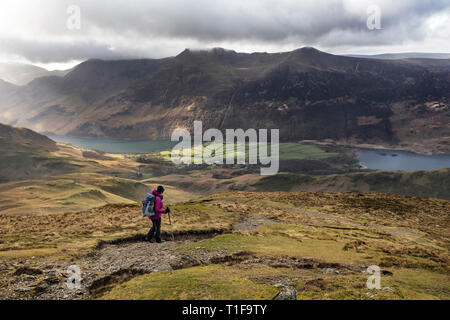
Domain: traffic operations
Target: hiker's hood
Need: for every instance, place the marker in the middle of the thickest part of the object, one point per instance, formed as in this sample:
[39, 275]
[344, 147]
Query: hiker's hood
[156, 193]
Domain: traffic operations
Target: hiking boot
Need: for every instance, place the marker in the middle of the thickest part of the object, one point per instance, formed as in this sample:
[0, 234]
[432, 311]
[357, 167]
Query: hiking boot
[159, 240]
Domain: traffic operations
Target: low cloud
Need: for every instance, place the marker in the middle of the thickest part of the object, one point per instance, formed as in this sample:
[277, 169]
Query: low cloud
[114, 29]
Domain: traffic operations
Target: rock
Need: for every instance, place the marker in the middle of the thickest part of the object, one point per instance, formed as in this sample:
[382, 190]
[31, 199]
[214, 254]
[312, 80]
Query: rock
[48, 267]
[185, 261]
[53, 279]
[42, 286]
[287, 292]
[387, 289]
[27, 277]
[24, 289]
[386, 273]
[27, 270]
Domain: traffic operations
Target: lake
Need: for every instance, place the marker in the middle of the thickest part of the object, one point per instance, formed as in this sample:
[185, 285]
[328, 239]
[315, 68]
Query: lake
[373, 159]
[115, 145]
[382, 159]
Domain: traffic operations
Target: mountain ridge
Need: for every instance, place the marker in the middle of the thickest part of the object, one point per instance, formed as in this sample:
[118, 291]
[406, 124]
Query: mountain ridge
[307, 93]
[405, 55]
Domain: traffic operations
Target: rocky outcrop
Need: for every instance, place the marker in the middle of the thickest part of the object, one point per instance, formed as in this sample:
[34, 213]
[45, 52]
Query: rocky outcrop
[287, 292]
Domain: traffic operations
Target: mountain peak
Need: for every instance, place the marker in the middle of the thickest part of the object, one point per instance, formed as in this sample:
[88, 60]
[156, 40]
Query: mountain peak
[184, 52]
[308, 51]
[214, 51]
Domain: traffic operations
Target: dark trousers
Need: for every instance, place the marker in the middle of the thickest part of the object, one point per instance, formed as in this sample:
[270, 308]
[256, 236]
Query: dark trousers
[156, 227]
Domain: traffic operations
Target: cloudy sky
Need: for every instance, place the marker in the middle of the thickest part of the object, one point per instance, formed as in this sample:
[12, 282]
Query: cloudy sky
[45, 32]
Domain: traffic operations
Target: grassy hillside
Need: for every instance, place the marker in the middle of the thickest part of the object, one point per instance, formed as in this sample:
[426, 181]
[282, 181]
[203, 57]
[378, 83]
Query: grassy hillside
[39, 176]
[26, 154]
[319, 243]
[223, 245]
[433, 184]
[293, 157]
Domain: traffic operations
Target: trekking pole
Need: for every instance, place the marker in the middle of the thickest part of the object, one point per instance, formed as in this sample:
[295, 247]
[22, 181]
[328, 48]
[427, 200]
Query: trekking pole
[171, 227]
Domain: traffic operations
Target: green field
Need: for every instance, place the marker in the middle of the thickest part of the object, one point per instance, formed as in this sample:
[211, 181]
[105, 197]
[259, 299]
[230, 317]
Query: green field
[289, 151]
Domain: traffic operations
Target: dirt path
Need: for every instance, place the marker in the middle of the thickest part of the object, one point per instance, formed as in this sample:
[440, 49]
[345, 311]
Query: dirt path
[110, 264]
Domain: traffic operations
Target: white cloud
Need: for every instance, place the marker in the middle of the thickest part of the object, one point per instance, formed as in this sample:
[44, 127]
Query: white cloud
[36, 30]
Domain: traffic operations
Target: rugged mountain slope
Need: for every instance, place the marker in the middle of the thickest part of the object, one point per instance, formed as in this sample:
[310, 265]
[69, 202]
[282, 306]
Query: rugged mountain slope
[21, 73]
[7, 89]
[306, 93]
[406, 55]
[54, 103]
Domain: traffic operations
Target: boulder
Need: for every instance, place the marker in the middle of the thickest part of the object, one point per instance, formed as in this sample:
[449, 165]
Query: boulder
[287, 292]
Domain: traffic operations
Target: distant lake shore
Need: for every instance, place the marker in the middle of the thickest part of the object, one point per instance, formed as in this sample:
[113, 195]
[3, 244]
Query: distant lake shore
[116, 145]
[369, 158]
[398, 160]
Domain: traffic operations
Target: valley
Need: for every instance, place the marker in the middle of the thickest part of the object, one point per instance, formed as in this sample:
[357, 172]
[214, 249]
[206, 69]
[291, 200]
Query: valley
[200, 155]
[295, 233]
[308, 232]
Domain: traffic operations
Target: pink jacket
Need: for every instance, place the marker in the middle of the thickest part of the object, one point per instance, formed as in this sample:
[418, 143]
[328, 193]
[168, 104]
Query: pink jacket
[158, 206]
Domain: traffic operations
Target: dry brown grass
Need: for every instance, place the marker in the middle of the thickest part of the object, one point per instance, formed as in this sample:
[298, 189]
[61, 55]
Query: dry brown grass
[408, 236]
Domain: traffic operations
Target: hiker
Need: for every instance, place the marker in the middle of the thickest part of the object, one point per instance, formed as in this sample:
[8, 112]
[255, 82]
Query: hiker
[156, 218]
